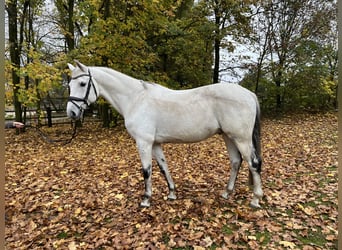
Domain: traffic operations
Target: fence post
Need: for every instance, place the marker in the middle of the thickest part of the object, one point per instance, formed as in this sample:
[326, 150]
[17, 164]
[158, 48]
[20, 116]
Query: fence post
[49, 116]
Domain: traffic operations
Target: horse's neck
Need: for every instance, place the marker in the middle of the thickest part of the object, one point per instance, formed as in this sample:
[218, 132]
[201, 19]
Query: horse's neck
[117, 88]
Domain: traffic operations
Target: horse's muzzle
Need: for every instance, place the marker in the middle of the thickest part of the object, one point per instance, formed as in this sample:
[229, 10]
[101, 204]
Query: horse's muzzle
[73, 111]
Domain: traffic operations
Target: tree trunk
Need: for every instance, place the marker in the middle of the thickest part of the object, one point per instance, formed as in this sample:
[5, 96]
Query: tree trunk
[104, 113]
[278, 90]
[15, 56]
[217, 45]
[216, 60]
[69, 37]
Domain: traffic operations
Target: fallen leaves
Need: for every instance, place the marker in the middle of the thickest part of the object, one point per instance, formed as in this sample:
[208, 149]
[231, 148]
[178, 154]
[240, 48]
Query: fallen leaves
[287, 244]
[85, 195]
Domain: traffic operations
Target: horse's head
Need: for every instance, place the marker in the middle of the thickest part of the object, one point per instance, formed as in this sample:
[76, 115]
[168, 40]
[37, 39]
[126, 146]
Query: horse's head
[83, 90]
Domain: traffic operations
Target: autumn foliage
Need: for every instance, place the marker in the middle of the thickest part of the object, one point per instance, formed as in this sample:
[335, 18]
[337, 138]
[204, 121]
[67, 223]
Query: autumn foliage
[86, 194]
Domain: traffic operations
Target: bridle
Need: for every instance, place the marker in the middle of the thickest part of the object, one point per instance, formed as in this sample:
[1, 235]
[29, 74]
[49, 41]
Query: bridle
[74, 99]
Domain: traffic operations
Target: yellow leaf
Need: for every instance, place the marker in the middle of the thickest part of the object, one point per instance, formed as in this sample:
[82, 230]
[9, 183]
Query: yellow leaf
[72, 246]
[119, 196]
[330, 237]
[78, 211]
[251, 237]
[32, 226]
[300, 206]
[60, 209]
[188, 203]
[309, 210]
[124, 175]
[288, 244]
[262, 238]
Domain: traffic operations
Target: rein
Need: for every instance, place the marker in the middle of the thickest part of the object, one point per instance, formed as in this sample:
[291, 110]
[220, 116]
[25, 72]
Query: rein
[50, 140]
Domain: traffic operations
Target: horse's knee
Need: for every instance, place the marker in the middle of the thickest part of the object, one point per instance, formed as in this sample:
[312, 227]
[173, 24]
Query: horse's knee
[161, 168]
[236, 165]
[147, 172]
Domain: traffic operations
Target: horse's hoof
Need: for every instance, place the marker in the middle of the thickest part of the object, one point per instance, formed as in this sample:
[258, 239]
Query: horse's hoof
[145, 203]
[255, 201]
[225, 195]
[255, 205]
[171, 197]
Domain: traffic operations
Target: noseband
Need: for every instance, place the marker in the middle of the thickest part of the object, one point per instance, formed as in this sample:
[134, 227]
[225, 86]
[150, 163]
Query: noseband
[74, 99]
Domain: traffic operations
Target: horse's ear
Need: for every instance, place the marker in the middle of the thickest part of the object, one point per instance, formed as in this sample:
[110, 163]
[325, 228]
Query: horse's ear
[71, 67]
[81, 66]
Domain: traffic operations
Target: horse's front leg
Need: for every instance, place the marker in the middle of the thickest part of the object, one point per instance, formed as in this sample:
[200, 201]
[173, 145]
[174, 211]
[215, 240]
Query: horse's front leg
[159, 156]
[145, 151]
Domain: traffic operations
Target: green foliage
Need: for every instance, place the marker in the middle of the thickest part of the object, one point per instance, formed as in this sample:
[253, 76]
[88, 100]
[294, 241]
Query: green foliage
[266, 90]
[172, 43]
[42, 78]
[185, 52]
[309, 82]
[155, 41]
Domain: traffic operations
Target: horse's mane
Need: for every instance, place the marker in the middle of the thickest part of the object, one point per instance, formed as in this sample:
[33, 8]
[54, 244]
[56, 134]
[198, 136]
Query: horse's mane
[112, 72]
[145, 84]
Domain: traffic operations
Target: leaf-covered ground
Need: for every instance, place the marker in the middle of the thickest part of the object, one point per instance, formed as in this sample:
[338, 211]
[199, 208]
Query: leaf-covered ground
[85, 195]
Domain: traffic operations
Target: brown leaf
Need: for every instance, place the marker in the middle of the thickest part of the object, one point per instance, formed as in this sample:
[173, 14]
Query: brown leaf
[86, 194]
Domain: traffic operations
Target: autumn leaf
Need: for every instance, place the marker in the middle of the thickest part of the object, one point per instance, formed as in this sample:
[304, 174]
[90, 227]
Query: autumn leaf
[72, 246]
[85, 195]
[287, 244]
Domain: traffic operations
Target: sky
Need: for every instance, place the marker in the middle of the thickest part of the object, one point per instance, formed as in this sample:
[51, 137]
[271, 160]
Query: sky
[242, 55]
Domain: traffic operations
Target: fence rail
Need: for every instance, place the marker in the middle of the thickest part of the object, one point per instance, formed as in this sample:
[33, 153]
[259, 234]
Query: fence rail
[52, 112]
[47, 117]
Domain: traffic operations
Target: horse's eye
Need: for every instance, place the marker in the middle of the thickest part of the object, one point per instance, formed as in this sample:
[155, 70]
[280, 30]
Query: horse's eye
[83, 84]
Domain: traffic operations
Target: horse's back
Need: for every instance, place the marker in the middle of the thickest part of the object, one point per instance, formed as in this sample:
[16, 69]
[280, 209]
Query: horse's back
[195, 114]
[219, 91]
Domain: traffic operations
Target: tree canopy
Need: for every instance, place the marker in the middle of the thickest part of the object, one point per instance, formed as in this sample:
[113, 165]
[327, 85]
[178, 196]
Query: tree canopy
[292, 46]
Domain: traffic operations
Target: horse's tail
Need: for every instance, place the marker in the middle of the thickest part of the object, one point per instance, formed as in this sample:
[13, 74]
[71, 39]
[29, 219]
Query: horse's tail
[257, 161]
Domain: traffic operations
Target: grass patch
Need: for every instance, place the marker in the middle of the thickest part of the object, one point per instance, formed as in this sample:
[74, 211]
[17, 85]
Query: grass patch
[227, 230]
[62, 235]
[165, 238]
[289, 212]
[310, 204]
[263, 237]
[314, 236]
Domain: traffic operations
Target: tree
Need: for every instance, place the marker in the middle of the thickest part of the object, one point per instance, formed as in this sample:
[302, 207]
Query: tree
[296, 45]
[150, 41]
[14, 47]
[184, 47]
[290, 24]
[66, 22]
[33, 53]
[231, 19]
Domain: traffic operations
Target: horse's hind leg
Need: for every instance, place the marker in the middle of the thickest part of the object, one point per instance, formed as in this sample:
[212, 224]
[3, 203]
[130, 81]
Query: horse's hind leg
[159, 156]
[235, 162]
[254, 164]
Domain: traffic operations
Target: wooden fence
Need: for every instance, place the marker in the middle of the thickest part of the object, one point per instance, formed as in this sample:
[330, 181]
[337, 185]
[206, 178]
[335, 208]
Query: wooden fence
[47, 117]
